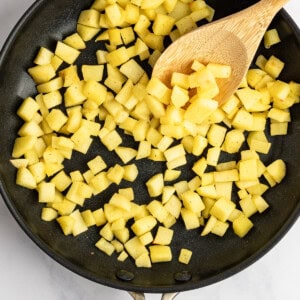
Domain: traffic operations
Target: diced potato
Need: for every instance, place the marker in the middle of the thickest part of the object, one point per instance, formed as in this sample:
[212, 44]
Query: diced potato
[274, 66]
[190, 219]
[163, 236]
[143, 261]
[157, 210]
[66, 53]
[241, 225]
[192, 201]
[155, 185]
[222, 209]
[277, 170]
[66, 223]
[220, 228]
[42, 74]
[135, 248]
[185, 256]
[160, 253]
[105, 246]
[143, 225]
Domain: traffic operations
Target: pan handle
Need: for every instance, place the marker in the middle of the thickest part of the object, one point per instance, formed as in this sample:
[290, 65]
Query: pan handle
[141, 296]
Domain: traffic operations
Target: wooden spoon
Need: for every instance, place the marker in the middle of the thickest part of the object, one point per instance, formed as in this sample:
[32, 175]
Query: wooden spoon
[231, 41]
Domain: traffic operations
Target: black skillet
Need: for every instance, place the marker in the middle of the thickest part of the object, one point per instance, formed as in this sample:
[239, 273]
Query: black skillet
[214, 258]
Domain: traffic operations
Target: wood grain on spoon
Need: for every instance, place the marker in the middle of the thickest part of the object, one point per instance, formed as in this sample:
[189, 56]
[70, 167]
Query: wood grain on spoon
[231, 41]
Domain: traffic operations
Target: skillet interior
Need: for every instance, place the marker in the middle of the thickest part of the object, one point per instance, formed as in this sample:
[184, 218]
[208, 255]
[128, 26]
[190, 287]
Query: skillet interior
[214, 258]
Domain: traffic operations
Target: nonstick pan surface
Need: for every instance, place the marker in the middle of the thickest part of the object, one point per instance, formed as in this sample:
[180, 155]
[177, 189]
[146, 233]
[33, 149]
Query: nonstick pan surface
[214, 258]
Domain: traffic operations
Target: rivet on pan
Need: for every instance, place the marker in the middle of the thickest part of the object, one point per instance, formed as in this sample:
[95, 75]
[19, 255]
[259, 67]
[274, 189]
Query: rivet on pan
[183, 276]
[124, 275]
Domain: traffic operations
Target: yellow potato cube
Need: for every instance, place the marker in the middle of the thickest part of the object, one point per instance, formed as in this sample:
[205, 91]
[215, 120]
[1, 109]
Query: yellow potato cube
[179, 96]
[163, 236]
[157, 210]
[160, 253]
[42, 74]
[75, 41]
[185, 256]
[88, 218]
[274, 66]
[277, 170]
[192, 201]
[190, 219]
[248, 169]
[220, 228]
[241, 225]
[61, 181]
[89, 17]
[155, 185]
[209, 225]
[143, 261]
[105, 246]
[146, 238]
[135, 248]
[200, 166]
[143, 225]
[66, 223]
[222, 209]
[122, 256]
[46, 191]
[248, 206]
[25, 178]
[117, 57]
[28, 109]
[132, 70]
[66, 53]
[126, 154]
[92, 72]
[99, 217]
[111, 140]
[97, 165]
[106, 232]
[86, 32]
[271, 37]
[206, 106]
[163, 24]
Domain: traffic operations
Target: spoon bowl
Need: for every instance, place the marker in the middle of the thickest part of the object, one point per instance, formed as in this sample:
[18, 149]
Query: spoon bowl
[230, 41]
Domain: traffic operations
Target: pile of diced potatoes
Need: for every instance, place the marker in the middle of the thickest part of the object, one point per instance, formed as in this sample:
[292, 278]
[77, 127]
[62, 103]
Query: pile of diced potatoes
[77, 105]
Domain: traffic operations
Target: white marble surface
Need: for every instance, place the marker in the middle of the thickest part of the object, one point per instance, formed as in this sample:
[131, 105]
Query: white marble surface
[27, 273]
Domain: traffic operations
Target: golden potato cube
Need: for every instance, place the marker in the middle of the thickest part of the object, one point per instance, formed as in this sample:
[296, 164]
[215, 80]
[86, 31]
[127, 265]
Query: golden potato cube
[271, 37]
[163, 24]
[48, 214]
[120, 201]
[243, 120]
[279, 115]
[143, 225]
[89, 17]
[199, 145]
[115, 174]
[241, 225]
[135, 248]
[257, 141]
[43, 57]
[220, 228]
[185, 24]
[66, 53]
[190, 219]
[212, 221]
[185, 256]
[99, 217]
[248, 169]
[117, 57]
[192, 201]
[75, 41]
[260, 203]
[277, 170]
[111, 140]
[86, 32]
[157, 210]
[132, 70]
[222, 209]
[219, 70]
[28, 109]
[278, 128]
[163, 236]
[160, 253]
[130, 172]
[92, 72]
[41, 74]
[206, 106]
[143, 261]
[64, 208]
[126, 154]
[200, 166]
[56, 119]
[155, 185]
[88, 218]
[274, 66]
[106, 232]
[25, 178]
[46, 192]
[179, 96]
[61, 181]
[105, 246]
[248, 206]
[66, 223]
[97, 164]
[171, 175]
[122, 256]
[213, 155]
